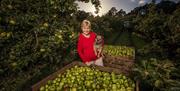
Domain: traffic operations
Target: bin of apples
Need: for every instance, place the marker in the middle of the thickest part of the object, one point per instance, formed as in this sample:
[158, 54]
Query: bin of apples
[82, 78]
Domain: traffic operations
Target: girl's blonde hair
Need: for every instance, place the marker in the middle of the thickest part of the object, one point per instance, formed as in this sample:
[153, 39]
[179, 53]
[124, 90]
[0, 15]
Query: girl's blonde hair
[86, 23]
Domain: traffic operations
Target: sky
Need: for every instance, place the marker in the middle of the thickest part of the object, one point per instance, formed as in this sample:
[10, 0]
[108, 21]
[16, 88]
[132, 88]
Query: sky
[106, 5]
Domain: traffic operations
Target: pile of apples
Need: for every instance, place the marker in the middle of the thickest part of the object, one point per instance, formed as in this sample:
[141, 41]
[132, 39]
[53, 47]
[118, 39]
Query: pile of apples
[89, 79]
[123, 51]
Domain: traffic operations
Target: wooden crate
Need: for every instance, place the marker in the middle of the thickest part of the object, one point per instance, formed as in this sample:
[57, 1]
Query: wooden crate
[117, 59]
[122, 63]
[37, 86]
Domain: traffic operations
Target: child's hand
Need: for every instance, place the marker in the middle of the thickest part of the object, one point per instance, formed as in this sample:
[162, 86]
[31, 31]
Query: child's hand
[95, 53]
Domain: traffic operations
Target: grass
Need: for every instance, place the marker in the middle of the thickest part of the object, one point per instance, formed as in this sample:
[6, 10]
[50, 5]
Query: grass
[123, 39]
[111, 37]
[138, 42]
[118, 38]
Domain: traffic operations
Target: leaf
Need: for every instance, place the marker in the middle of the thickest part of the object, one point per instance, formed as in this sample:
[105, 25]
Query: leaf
[167, 64]
[144, 64]
[158, 83]
[174, 89]
[136, 70]
[175, 83]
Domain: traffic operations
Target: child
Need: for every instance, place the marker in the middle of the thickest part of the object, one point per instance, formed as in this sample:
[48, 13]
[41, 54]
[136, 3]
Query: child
[98, 45]
[85, 46]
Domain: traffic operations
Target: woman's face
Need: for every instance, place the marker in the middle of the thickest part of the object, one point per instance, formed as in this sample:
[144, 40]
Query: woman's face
[85, 30]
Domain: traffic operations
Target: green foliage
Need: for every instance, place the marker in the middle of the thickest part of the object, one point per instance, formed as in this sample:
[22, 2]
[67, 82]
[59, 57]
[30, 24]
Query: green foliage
[140, 43]
[173, 35]
[101, 25]
[36, 32]
[156, 73]
[151, 26]
[161, 30]
[112, 11]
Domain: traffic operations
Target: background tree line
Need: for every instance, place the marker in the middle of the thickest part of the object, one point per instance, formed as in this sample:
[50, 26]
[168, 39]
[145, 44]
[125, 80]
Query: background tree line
[36, 35]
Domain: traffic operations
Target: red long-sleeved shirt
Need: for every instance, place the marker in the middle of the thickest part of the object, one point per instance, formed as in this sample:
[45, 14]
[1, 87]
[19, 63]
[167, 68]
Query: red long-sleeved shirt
[85, 47]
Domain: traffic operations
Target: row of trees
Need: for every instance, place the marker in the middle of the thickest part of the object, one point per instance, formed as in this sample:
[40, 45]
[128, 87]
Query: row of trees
[37, 32]
[158, 24]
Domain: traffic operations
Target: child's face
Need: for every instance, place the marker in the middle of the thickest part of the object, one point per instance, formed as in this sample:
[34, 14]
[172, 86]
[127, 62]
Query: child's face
[85, 30]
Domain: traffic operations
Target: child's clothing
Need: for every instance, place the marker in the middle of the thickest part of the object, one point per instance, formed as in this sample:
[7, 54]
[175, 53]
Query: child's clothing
[98, 62]
[85, 47]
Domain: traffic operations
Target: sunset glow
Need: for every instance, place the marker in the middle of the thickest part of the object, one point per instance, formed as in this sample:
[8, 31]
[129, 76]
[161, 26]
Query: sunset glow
[126, 5]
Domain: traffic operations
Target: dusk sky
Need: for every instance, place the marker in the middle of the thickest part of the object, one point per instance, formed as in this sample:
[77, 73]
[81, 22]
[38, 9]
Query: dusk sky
[126, 5]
